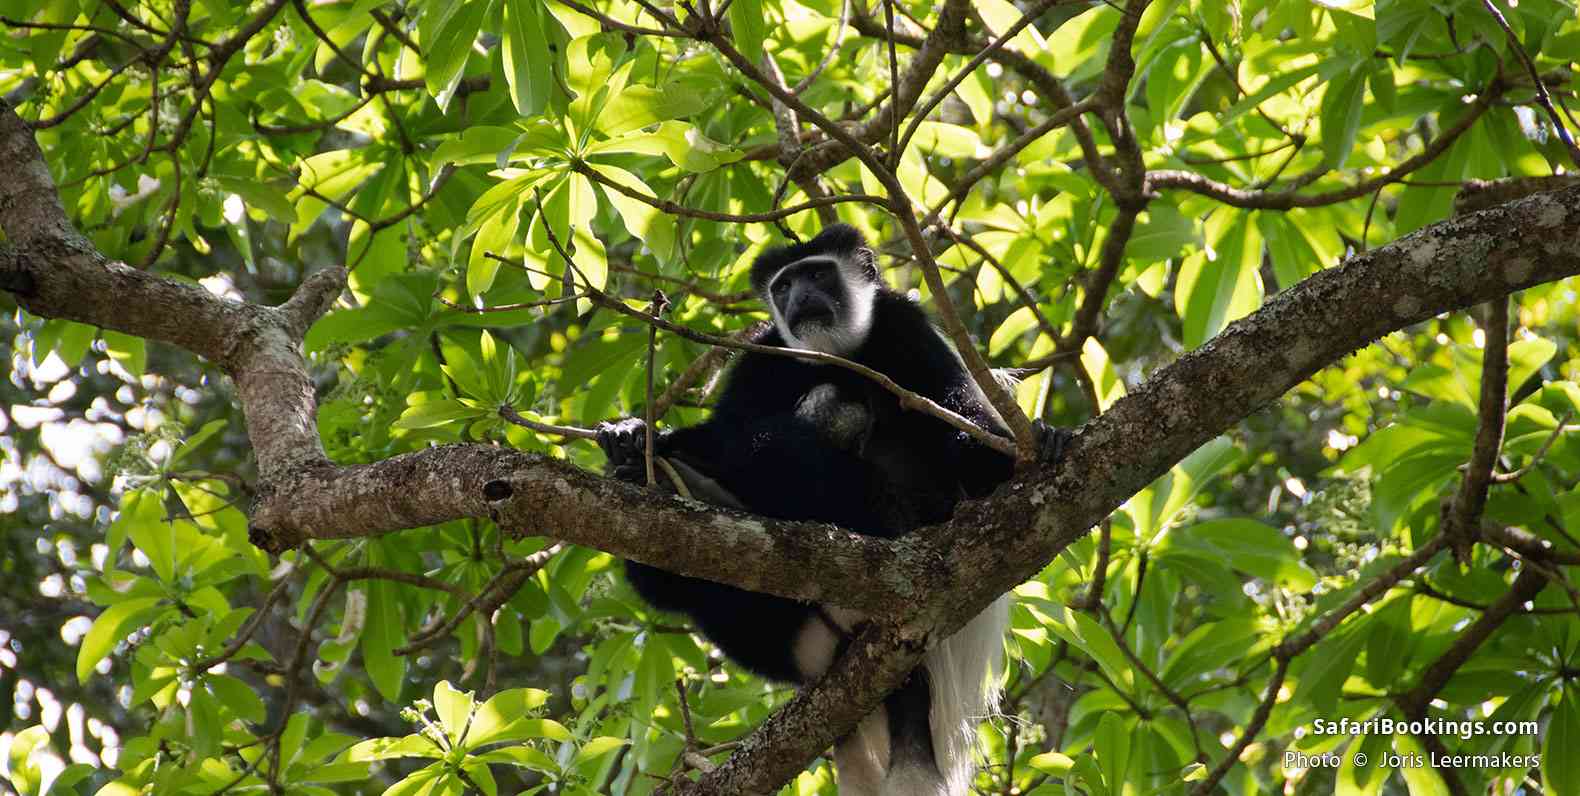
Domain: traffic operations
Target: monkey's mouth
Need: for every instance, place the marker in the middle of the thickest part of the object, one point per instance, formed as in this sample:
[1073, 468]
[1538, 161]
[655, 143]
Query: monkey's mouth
[817, 316]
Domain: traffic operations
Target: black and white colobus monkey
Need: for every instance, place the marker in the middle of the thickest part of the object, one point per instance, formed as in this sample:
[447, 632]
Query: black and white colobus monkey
[796, 440]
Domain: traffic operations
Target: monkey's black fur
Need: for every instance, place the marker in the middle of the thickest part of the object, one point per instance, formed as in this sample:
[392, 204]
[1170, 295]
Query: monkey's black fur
[771, 443]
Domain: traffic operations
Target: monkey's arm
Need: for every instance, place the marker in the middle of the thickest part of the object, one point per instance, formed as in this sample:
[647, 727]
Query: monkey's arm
[981, 468]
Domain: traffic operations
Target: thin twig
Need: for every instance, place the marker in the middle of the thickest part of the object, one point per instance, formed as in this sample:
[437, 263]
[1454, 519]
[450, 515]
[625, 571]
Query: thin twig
[1462, 513]
[1258, 719]
[894, 85]
[828, 54]
[1505, 478]
[510, 414]
[523, 305]
[655, 309]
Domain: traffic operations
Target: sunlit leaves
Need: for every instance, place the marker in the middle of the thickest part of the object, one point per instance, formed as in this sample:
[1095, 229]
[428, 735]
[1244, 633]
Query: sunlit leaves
[684, 145]
[112, 627]
[1341, 115]
[1561, 769]
[28, 771]
[750, 26]
[524, 48]
[448, 29]
[1246, 545]
[1223, 284]
[462, 737]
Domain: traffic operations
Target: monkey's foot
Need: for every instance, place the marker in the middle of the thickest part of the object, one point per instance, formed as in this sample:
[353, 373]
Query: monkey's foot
[1051, 442]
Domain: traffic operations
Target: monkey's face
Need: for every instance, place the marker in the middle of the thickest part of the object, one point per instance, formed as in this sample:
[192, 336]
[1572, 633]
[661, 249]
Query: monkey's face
[808, 295]
[815, 306]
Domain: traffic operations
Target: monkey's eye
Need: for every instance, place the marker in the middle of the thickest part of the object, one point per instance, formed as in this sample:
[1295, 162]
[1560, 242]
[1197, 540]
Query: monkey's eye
[779, 288]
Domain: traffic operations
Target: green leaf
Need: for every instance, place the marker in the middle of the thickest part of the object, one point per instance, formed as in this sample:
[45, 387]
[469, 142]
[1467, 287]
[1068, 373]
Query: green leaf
[239, 697]
[391, 748]
[196, 439]
[1293, 256]
[153, 534]
[66, 781]
[1053, 763]
[1000, 15]
[385, 630]
[596, 748]
[1342, 106]
[1112, 747]
[641, 106]
[947, 140]
[336, 773]
[1161, 503]
[684, 145]
[1212, 293]
[432, 780]
[481, 776]
[1084, 632]
[110, 628]
[501, 717]
[522, 756]
[750, 27]
[524, 48]
[1421, 780]
[1209, 647]
[453, 707]
[432, 414]
[1391, 643]
[1100, 369]
[1366, 780]
[479, 144]
[641, 219]
[1527, 355]
[592, 75]
[1162, 232]
[1247, 545]
[1018, 323]
[1076, 45]
[261, 195]
[24, 774]
[495, 235]
[1560, 765]
[1327, 666]
[1090, 773]
[447, 51]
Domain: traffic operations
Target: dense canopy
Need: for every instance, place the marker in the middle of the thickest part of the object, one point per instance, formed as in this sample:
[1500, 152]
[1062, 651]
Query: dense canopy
[311, 308]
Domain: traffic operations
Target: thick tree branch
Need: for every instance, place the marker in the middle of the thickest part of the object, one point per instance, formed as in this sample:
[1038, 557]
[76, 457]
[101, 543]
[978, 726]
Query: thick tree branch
[1450, 265]
[530, 494]
[1462, 513]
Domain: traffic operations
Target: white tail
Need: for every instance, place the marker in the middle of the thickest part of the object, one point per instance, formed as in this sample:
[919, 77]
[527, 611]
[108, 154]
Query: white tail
[963, 675]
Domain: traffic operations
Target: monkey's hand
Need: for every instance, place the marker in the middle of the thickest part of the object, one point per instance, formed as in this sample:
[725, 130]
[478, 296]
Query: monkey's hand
[1051, 442]
[625, 443]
